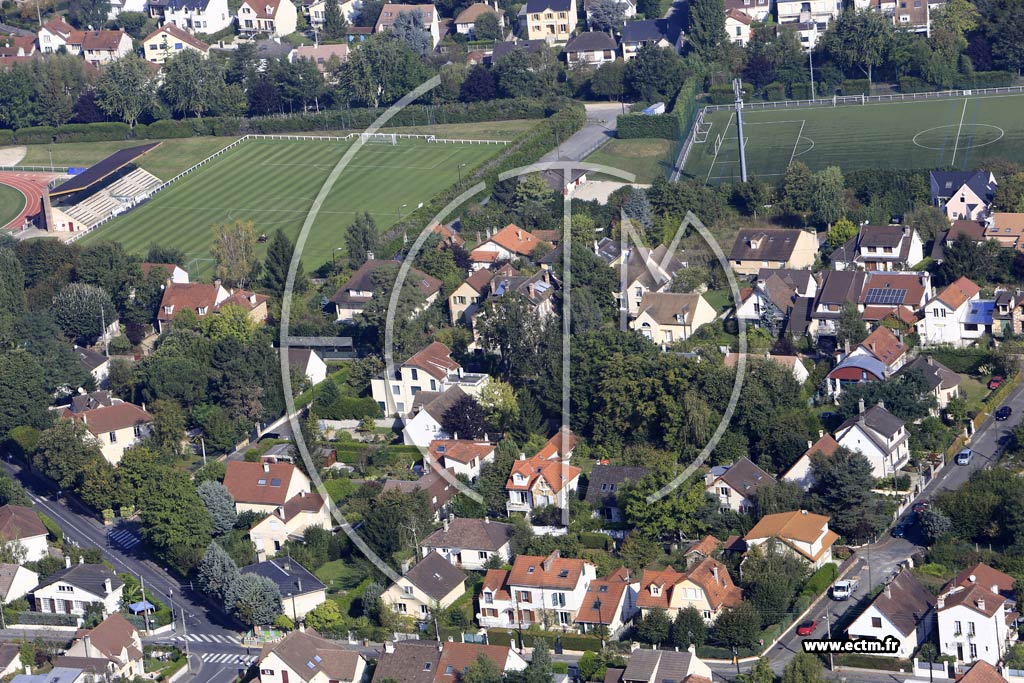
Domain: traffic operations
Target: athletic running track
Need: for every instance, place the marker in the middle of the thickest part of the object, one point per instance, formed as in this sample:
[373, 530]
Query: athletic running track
[32, 186]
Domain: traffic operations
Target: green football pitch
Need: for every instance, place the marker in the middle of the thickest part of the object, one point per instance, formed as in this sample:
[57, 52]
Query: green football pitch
[273, 184]
[955, 132]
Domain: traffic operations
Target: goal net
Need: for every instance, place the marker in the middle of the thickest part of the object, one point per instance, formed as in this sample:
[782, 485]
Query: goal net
[379, 138]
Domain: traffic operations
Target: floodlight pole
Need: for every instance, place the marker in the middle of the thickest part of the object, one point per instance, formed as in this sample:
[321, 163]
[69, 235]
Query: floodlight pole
[810, 58]
[737, 87]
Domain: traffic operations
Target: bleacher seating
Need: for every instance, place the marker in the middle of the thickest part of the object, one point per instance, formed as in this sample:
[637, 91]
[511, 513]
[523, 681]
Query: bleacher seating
[106, 202]
[134, 185]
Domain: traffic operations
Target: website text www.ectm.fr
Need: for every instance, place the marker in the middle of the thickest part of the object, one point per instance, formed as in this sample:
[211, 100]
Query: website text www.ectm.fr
[888, 645]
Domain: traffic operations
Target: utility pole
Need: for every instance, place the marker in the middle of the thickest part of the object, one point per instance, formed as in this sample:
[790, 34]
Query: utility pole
[145, 611]
[737, 86]
[828, 623]
[184, 629]
[810, 57]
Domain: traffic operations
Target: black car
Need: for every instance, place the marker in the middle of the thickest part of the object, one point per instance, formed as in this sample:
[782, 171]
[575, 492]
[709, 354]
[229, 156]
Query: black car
[1004, 413]
[898, 531]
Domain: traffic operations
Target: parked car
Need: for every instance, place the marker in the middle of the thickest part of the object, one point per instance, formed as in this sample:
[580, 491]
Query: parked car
[995, 382]
[921, 506]
[806, 628]
[899, 531]
[1004, 413]
[964, 457]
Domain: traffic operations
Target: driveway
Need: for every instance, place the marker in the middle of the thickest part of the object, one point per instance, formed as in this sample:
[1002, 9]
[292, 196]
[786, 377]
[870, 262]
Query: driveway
[602, 120]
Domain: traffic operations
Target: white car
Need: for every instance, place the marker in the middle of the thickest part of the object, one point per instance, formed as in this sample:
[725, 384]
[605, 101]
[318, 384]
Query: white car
[964, 457]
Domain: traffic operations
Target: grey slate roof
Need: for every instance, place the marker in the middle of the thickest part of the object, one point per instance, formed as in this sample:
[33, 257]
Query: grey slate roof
[470, 534]
[905, 602]
[757, 244]
[935, 373]
[190, 5]
[505, 47]
[877, 418]
[89, 358]
[745, 477]
[945, 183]
[88, 577]
[590, 41]
[656, 666]
[605, 479]
[435, 576]
[553, 5]
[649, 30]
[290, 576]
[840, 287]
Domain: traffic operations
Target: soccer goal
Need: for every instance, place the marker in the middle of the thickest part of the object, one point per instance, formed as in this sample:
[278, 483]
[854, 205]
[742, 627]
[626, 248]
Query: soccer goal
[379, 138]
[702, 130]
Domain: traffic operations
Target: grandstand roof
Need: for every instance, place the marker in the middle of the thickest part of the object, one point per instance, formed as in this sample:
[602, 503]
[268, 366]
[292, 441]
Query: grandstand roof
[102, 169]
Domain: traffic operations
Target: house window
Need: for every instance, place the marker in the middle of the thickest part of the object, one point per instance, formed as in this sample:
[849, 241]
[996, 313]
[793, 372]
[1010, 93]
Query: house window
[488, 598]
[460, 299]
[423, 609]
[523, 596]
[112, 436]
[415, 373]
[957, 628]
[564, 618]
[178, 46]
[407, 590]
[974, 651]
[400, 607]
[558, 599]
[482, 555]
[266, 672]
[137, 430]
[876, 622]
[970, 628]
[64, 588]
[395, 389]
[707, 614]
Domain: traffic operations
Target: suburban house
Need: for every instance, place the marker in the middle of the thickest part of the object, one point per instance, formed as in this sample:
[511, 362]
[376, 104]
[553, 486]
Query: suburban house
[303, 655]
[357, 291]
[470, 543]
[791, 363]
[945, 317]
[657, 666]
[698, 551]
[802, 471]
[645, 270]
[537, 290]
[423, 422]
[431, 370]
[55, 34]
[706, 586]
[1002, 311]
[885, 291]
[428, 13]
[811, 18]
[508, 244]
[657, 32]
[465, 22]
[21, 529]
[173, 272]
[601, 487]
[168, 41]
[1006, 228]
[277, 18]
[547, 591]
[113, 648]
[316, 11]
[74, 588]
[963, 195]
[775, 299]
[320, 55]
[903, 610]
[538, 481]
[58, 674]
[737, 26]
[628, 8]
[16, 47]
[289, 521]
[550, 20]
[734, 486]
[433, 583]
[942, 382]
[610, 603]
[668, 317]
[100, 47]
[264, 487]
[799, 532]
[205, 299]
[424, 661]
[465, 300]
[16, 582]
[96, 364]
[438, 489]
[757, 248]
[879, 436]
[200, 16]
[590, 47]
[114, 424]
[300, 590]
[459, 456]
[309, 363]
[976, 615]
[875, 359]
[973, 231]
[880, 248]
[758, 10]
[839, 288]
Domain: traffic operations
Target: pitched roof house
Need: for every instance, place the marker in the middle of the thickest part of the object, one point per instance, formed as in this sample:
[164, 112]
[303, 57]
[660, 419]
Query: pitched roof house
[963, 195]
[438, 489]
[590, 47]
[277, 18]
[168, 41]
[300, 590]
[658, 32]
[669, 317]
[903, 610]
[508, 244]
[645, 270]
[977, 615]
[735, 485]
[793, 364]
[706, 586]
[320, 55]
[610, 603]
[538, 481]
[839, 288]
[550, 20]
[879, 436]
[602, 484]
[758, 248]
[942, 382]
[421, 661]
[428, 13]
[875, 359]
[946, 317]
[99, 47]
[264, 486]
[304, 655]
[774, 298]
[352, 297]
[459, 456]
[657, 666]
[802, 533]
[113, 647]
[427, 415]
[534, 590]
[21, 527]
[16, 582]
[205, 299]
[201, 16]
[289, 521]
[737, 26]
[465, 22]
[71, 589]
[801, 471]
[880, 248]
[114, 424]
[469, 543]
[433, 583]
[465, 300]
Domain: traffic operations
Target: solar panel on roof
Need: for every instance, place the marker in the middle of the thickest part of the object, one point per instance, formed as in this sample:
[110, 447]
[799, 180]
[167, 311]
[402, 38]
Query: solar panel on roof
[885, 296]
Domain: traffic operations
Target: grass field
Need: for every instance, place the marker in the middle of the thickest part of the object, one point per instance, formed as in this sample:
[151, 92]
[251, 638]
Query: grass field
[644, 157]
[957, 132]
[273, 183]
[11, 204]
[170, 158]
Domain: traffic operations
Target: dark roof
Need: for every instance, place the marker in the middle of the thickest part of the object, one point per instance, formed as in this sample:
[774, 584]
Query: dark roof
[945, 183]
[667, 664]
[505, 47]
[92, 401]
[646, 30]
[290, 576]
[435, 576]
[88, 577]
[881, 235]
[744, 476]
[904, 602]
[841, 286]
[438, 489]
[187, 4]
[18, 522]
[604, 479]
[757, 244]
[436, 404]
[471, 534]
[590, 41]
[553, 5]
[89, 358]
[877, 418]
[363, 281]
[102, 169]
[935, 373]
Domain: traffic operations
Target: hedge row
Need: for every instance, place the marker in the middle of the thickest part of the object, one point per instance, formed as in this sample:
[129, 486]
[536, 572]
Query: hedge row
[47, 619]
[724, 94]
[569, 641]
[966, 360]
[103, 132]
[981, 79]
[664, 126]
[855, 86]
[820, 580]
[596, 541]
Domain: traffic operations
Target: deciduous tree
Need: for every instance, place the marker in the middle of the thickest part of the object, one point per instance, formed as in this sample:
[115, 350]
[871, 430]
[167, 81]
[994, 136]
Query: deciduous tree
[859, 39]
[829, 199]
[125, 89]
[234, 247]
[64, 451]
[608, 15]
[487, 27]
[654, 627]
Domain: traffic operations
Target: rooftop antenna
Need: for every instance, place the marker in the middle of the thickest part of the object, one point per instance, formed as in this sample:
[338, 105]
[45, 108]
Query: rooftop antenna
[737, 86]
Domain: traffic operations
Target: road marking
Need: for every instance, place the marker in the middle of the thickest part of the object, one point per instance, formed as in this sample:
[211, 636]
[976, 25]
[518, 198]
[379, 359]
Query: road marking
[227, 657]
[124, 538]
[956, 143]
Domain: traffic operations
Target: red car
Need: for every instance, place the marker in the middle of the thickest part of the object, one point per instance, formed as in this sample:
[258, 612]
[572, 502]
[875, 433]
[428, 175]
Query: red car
[806, 628]
[995, 382]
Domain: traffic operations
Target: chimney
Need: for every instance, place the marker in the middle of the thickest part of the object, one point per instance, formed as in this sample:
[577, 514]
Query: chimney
[860, 406]
[217, 283]
[302, 627]
[519, 234]
[252, 299]
[821, 433]
[803, 512]
[995, 588]
[389, 647]
[487, 520]
[522, 456]
[266, 467]
[931, 361]
[370, 256]
[87, 641]
[888, 591]
[107, 588]
[549, 560]
[810, 445]
[81, 559]
[881, 404]
[940, 602]
[445, 524]
[67, 562]
[981, 603]
[455, 436]
[714, 573]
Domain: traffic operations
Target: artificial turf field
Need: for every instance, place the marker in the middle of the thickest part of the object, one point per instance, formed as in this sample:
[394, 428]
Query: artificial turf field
[956, 132]
[274, 182]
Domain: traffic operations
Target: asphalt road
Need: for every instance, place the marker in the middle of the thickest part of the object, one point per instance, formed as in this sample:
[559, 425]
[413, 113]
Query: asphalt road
[600, 127]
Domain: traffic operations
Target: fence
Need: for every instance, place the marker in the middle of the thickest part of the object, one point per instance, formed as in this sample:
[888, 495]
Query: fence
[842, 100]
[688, 141]
[42, 169]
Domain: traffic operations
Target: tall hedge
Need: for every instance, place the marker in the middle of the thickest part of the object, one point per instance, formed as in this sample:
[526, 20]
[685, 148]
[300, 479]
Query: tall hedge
[92, 132]
[855, 86]
[648, 126]
[36, 135]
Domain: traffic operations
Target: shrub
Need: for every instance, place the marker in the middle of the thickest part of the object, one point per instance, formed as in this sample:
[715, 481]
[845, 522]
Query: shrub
[643, 126]
[966, 360]
[595, 541]
[169, 128]
[774, 92]
[93, 132]
[802, 91]
[723, 94]
[21, 441]
[6, 137]
[350, 408]
[820, 580]
[993, 79]
[855, 86]
[909, 84]
[52, 527]
[37, 135]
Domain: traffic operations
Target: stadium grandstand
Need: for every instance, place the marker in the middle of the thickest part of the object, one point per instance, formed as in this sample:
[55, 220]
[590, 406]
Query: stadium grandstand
[101, 191]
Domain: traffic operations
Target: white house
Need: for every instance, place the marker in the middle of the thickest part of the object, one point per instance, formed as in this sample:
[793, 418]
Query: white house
[508, 244]
[610, 603]
[459, 456]
[802, 471]
[976, 615]
[465, 22]
[734, 486]
[22, 530]
[16, 582]
[74, 588]
[963, 195]
[303, 655]
[946, 315]
[590, 47]
[547, 591]
[198, 16]
[316, 12]
[428, 409]
[289, 521]
[470, 543]
[879, 436]
[431, 369]
[644, 271]
[880, 248]
[54, 34]
[669, 317]
[903, 610]
[433, 583]
[774, 296]
[175, 273]
[706, 587]
[309, 363]
[300, 590]
[113, 647]
[737, 26]
[166, 42]
[100, 47]
[264, 487]
[95, 363]
[352, 297]
[801, 533]
[428, 13]
[758, 10]
[277, 18]
[943, 382]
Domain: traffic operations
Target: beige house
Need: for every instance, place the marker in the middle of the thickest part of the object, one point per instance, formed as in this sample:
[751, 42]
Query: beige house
[737, 26]
[114, 647]
[114, 424]
[434, 583]
[100, 47]
[801, 533]
[300, 590]
[264, 486]
[707, 587]
[465, 300]
[734, 486]
[168, 41]
[550, 20]
[757, 248]
[289, 521]
[21, 529]
[667, 317]
[358, 290]
[390, 12]
[277, 18]
[643, 271]
[303, 655]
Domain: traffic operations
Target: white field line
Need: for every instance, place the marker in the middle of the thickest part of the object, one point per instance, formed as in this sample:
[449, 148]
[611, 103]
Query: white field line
[956, 144]
[796, 143]
[725, 132]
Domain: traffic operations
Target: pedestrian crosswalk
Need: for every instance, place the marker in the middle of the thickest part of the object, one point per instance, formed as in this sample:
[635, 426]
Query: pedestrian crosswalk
[243, 661]
[209, 638]
[123, 538]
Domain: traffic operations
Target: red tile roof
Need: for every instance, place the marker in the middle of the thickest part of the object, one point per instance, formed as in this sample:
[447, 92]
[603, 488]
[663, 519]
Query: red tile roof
[603, 599]
[102, 41]
[957, 293]
[259, 483]
[462, 451]
[553, 448]
[515, 239]
[260, 8]
[553, 571]
[884, 345]
[17, 522]
[185, 37]
[194, 295]
[556, 473]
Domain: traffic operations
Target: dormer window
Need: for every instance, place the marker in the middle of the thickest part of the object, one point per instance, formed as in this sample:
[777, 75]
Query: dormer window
[168, 310]
[203, 309]
[655, 590]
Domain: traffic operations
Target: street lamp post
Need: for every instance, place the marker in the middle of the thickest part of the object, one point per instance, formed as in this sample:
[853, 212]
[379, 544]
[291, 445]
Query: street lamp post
[810, 57]
[460, 174]
[400, 212]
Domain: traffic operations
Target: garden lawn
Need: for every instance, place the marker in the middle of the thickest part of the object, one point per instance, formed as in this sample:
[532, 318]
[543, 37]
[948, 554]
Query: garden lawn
[975, 392]
[166, 161]
[644, 157]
